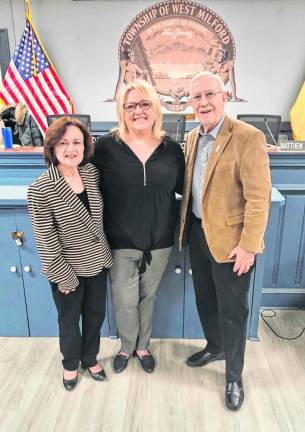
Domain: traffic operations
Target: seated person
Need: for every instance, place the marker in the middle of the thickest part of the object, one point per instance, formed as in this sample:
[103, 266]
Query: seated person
[28, 132]
[24, 128]
[7, 117]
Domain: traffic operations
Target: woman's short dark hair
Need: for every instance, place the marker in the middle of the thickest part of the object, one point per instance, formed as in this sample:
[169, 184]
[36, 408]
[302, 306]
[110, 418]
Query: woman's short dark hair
[57, 130]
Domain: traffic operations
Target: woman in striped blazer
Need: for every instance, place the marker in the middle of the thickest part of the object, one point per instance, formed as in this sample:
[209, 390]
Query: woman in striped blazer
[66, 210]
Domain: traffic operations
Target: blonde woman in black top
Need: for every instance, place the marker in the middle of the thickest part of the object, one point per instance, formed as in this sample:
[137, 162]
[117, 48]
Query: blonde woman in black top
[141, 169]
[66, 210]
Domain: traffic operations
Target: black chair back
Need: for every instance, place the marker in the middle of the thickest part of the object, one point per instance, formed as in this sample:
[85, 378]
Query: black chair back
[267, 123]
[84, 118]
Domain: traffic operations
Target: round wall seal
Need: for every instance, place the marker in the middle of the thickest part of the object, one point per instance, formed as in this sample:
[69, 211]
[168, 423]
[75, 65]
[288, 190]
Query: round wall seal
[170, 42]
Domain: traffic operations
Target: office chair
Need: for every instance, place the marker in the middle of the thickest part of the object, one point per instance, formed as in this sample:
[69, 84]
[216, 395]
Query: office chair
[84, 118]
[267, 123]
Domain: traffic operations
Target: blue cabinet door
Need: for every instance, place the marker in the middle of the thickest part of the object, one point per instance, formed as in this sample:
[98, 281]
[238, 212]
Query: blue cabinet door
[168, 317]
[113, 330]
[13, 315]
[42, 314]
[284, 276]
[192, 326]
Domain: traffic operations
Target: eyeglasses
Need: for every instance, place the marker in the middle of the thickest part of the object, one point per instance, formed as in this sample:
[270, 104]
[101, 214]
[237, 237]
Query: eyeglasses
[132, 106]
[208, 95]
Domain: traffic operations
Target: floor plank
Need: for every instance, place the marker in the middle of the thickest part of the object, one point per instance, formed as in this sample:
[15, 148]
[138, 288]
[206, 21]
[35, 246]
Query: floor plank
[175, 398]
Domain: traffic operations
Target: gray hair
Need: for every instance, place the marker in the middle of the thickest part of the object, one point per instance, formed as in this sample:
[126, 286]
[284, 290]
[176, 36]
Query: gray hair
[211, 75]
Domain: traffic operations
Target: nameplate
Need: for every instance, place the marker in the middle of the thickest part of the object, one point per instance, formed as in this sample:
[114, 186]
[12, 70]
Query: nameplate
[290, 145]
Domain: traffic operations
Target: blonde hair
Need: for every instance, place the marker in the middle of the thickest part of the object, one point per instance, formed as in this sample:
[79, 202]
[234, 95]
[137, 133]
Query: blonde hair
[150, 94]
[20, 113]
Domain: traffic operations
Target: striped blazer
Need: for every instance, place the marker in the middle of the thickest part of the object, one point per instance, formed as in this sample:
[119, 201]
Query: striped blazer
[70, 241]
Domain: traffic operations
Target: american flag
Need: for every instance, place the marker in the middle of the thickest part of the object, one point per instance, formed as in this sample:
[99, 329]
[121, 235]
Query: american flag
[32, 79]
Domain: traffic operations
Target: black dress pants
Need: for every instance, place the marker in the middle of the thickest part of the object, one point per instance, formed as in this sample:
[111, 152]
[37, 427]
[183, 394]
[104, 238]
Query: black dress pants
[222, 302]
[89, 303]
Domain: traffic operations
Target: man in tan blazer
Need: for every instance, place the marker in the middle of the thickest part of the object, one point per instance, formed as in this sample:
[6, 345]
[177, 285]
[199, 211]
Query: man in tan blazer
[225, 206]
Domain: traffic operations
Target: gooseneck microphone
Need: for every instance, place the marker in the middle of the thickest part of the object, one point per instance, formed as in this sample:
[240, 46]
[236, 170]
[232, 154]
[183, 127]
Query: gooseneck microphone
[269, 130]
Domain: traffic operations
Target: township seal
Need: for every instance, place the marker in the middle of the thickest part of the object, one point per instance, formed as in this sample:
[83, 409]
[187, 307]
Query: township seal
[169, 43]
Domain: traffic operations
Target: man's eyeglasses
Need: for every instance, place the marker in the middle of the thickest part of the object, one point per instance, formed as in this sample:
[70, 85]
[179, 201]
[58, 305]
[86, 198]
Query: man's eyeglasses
[132, 106]
[207, 95]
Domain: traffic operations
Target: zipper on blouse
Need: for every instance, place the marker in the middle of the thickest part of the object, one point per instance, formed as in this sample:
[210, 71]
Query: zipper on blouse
[144, 174]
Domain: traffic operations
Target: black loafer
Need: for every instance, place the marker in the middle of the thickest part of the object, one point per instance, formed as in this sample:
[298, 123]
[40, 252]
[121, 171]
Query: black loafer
[203, 358]
[147, 362]
[234, 396]
[97, 376]
[70, 384]
[120, 362]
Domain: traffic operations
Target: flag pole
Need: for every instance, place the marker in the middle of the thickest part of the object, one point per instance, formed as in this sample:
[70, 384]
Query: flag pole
[29, 18]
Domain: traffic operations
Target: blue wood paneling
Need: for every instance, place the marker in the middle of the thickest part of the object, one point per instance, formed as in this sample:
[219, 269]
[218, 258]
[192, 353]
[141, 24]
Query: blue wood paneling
[192, 326]
[284, 275]
[255, 297]
[289, 271]
[273, 240]
[26, 166]
[113, 331]
[41, 309]
[168, 317]
[282, 284]
[13, 314]
[282, 300]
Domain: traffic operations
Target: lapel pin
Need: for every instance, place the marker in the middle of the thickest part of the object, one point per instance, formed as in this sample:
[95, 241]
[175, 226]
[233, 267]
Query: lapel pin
[217, 148]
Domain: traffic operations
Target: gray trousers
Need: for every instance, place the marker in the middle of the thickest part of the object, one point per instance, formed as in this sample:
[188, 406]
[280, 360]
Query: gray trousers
[134, 295]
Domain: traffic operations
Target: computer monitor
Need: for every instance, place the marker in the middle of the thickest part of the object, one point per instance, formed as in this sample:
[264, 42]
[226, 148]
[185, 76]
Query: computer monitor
[267, 123]
[84, 118]
[174, 126]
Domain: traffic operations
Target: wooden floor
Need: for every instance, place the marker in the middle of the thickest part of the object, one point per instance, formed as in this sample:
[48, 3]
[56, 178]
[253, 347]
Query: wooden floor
[175, 398]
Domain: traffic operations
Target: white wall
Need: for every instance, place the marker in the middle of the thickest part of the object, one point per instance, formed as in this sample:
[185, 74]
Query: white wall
[82, 37]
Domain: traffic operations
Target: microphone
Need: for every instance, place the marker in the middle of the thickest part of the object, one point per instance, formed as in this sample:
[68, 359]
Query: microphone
[177, 130]
[269, 130]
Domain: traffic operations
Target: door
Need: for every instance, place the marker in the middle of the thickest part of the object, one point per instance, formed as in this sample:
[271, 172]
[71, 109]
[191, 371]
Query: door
[13, 313]
[41, 309]
[168, 317]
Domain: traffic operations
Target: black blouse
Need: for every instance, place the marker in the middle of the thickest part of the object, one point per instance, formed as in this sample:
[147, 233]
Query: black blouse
[140, 205]
[83, 197]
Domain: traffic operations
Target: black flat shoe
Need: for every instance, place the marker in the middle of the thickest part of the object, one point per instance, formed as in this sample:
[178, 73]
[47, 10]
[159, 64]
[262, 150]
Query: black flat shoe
[147, 362]
[234, 396]
[120, 362]
[203, 358]
[70, 384]
[97, 376]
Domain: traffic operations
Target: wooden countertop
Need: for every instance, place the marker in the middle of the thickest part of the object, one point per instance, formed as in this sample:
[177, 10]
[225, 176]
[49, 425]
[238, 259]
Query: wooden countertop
[22, 150]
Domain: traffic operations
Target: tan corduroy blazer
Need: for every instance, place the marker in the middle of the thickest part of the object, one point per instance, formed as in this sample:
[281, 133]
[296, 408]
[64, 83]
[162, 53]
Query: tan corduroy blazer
[236, 191]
